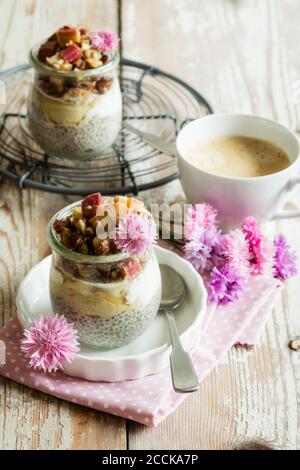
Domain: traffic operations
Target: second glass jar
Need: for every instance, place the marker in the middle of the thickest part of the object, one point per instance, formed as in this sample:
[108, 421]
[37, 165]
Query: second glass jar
[74, 115]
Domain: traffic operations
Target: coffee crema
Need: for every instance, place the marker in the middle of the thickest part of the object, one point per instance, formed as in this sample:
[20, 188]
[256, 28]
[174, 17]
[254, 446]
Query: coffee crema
[238, 156]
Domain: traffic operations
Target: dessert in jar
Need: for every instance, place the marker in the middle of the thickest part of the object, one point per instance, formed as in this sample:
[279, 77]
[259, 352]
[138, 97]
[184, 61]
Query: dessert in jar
[104, 276]
[75, 103]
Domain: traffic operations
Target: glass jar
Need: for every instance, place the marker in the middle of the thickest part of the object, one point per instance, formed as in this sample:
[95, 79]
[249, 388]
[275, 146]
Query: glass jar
[74, 115]
[108, 299]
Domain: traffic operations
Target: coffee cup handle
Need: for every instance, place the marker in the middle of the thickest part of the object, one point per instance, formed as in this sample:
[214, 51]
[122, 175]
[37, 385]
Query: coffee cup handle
[286, 214]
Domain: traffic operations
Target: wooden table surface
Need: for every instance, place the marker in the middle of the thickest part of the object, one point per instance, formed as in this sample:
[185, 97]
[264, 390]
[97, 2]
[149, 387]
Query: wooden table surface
[243, 55]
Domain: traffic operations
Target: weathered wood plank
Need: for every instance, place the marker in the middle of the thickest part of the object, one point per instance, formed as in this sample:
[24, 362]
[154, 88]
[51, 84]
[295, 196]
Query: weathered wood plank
[242, 56]
[28, 419]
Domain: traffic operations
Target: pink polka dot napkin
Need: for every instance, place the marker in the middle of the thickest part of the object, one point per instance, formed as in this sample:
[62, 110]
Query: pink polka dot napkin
[152, 399]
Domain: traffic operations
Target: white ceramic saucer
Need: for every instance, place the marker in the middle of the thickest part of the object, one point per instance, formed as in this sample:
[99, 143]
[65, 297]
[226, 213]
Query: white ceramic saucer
[149, 353]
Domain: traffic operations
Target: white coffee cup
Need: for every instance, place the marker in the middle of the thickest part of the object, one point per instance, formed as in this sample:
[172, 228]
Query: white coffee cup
[239, 197]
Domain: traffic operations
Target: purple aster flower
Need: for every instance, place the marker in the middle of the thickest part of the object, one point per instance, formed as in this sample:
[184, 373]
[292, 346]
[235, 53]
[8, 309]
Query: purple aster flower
[200, 250]
[135, 234]
[198, 254]
[285, 259]
[199, 216]
[225, 285]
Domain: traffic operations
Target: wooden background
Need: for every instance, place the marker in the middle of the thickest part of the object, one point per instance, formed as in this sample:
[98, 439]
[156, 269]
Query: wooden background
[243, 55]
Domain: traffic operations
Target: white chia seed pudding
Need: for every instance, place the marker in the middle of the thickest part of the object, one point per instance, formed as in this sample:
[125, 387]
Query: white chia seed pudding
[113, 332]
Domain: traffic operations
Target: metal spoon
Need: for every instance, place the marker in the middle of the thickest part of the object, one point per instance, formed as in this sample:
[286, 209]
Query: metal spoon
[184, 377]
[169, 148]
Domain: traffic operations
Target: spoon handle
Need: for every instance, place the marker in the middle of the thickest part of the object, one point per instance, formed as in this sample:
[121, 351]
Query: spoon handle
[184, 377]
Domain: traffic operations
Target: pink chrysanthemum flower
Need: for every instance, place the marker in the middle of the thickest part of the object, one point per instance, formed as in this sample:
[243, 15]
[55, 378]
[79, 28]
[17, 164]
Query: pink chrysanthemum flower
[261, 249]
[49, 342]
[199, 216]
[104, 40]
[201, 249]
[235, 249]
[135, 234]
[285, 259]
[225, 285]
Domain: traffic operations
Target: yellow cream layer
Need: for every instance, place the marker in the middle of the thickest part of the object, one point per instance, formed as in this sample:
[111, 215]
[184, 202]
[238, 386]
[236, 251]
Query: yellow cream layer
[60, 112]
[89, 299]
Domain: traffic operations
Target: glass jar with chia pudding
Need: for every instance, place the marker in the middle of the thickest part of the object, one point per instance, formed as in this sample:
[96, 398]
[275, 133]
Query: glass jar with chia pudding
[110, 295]
[75, 103]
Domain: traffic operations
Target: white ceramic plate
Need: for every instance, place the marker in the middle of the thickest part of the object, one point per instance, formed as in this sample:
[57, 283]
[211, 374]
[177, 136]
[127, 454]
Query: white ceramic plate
[149, 353]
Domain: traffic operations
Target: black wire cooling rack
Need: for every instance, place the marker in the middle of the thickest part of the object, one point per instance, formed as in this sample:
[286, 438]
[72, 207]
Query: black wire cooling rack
[153, 101]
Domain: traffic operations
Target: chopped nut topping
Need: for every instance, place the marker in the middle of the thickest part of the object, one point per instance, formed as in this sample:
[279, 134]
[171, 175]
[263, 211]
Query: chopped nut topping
[57, 84]
[80, 225]
[74, 46]
[73, 95]
[55, 60]
[79, 230]
[77, 212]
[47, 50]
[66, 34]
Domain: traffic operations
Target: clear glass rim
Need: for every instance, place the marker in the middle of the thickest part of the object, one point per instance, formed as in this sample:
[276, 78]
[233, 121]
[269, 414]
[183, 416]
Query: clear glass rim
[59, 248]
[80, 74]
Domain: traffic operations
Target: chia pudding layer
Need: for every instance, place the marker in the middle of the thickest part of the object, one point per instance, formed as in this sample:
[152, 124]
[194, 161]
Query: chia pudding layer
[112, 332]
[78, 131]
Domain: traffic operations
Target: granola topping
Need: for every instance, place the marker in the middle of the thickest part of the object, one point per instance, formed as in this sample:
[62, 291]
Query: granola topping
[96, 215]
[74, 49]
[89, 230]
